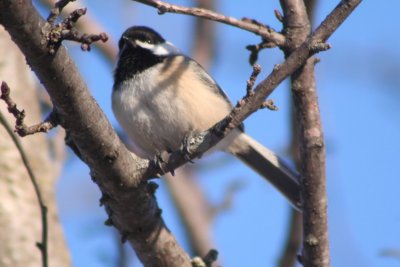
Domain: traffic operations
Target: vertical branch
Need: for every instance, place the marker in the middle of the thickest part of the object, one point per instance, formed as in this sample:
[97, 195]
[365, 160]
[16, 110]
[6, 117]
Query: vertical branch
[313, 186]
[295, 226]
[312, 149]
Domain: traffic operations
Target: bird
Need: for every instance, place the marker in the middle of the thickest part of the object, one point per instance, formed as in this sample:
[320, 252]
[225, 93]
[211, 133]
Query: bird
[160, 96]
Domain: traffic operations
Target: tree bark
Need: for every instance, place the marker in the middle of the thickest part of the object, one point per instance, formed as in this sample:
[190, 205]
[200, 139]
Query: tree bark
[312, 149]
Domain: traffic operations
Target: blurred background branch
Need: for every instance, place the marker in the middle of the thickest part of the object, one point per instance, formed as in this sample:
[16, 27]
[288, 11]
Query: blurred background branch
[20, 226]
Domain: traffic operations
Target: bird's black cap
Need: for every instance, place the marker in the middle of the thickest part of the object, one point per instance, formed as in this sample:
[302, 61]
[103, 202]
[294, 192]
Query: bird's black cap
[141, 33]
[134, 58]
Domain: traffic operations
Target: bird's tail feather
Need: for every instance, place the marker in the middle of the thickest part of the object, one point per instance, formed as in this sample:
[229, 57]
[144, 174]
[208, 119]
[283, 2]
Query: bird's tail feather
[268, 165]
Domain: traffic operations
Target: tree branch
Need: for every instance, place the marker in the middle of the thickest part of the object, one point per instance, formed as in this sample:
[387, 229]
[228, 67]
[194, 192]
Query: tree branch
[264, 31]
[315, 231]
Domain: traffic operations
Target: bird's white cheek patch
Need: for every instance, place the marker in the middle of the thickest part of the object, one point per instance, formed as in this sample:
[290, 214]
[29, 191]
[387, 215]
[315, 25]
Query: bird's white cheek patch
[163, 49]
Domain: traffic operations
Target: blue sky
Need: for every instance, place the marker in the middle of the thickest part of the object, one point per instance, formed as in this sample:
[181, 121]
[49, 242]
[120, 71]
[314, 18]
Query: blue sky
[358, 84]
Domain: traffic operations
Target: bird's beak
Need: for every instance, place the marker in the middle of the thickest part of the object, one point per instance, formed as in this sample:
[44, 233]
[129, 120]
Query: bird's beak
[171, 48]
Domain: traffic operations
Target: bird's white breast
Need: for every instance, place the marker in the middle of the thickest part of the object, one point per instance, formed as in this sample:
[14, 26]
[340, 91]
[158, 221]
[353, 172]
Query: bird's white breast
[162, 104]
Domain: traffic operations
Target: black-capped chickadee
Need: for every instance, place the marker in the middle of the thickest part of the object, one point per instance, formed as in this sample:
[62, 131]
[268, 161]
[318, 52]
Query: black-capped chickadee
[160, 95]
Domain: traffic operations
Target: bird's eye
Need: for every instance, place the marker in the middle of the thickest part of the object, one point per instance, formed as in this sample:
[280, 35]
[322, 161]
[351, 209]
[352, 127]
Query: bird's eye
[147, 41]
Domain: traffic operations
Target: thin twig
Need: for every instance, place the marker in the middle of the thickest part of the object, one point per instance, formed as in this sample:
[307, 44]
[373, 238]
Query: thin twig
[43, 209]
[85, 39]
[269, 104]
[278, 15]
[54, 34]
[249, 89]
[55, 12]
[73, 17]
[255, 50]
[68, 31]
[20, 127]
[265, 32]
[251, 81]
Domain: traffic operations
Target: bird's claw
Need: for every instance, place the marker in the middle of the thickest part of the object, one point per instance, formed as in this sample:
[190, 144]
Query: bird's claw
[161, 160]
